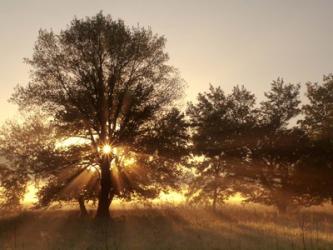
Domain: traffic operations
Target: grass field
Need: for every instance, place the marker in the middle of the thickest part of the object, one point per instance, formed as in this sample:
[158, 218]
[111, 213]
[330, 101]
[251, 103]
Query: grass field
[232, 227]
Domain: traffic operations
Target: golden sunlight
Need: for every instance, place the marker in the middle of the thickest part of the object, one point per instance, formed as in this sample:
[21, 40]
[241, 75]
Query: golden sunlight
[235, 199]
[129, 161]
[30, 195]
[171, 197]
[106, 149]
[71, 141]
[92, 169]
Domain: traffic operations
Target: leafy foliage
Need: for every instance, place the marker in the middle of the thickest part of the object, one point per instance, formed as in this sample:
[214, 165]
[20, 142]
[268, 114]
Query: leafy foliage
[107, 83]
[221, 126]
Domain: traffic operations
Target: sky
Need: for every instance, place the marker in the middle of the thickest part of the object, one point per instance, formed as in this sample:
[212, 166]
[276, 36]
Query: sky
[223, 43]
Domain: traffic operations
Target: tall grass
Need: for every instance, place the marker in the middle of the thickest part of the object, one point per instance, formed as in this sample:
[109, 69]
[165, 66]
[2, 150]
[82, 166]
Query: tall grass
[231, 227]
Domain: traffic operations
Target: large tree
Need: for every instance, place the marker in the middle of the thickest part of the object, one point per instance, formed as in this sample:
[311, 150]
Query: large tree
[102, 81]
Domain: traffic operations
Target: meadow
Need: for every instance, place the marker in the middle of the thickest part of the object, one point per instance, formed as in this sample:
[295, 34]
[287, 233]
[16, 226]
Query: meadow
[231, 227]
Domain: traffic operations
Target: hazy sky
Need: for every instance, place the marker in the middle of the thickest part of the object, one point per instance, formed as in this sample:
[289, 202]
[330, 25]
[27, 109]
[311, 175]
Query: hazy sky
[220, 42]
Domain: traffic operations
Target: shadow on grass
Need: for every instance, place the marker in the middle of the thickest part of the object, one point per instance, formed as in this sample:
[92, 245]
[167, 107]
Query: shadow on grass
[149, 229]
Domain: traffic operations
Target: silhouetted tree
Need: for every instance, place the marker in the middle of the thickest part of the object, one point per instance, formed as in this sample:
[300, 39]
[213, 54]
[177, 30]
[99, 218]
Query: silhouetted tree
[274, 157]
[277, 170]
[318, 114]
[102, 81]
[221, 126]
[281, 106]
[318, 124]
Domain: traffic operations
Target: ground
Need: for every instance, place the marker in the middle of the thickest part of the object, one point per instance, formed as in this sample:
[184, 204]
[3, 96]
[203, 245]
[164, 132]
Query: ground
[232, 227]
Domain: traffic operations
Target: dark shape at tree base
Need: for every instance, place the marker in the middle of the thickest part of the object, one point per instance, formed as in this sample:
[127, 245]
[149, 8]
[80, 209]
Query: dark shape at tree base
[83, 209]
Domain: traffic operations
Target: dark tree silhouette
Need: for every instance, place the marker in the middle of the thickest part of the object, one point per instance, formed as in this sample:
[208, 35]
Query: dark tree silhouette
[282, 104]
[318, 124]
[274, 156]
[221, 125]
[276, 167]
[318, 114]
[103, 81]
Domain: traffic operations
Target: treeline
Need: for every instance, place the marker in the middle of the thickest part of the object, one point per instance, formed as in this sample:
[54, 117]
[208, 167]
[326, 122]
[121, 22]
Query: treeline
[276, 153]
[101, 122]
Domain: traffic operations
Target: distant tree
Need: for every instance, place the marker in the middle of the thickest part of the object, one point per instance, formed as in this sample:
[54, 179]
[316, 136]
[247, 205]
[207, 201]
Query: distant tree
[318, 114]
[277, 170]
[22, 150]
[105, 82]
[314, 174]
[221, 127]
[276, 153]
[318, 124]
[281, 106]
[12, 187]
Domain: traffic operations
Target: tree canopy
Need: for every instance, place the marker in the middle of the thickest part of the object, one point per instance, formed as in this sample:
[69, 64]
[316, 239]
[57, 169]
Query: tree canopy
[105, 82]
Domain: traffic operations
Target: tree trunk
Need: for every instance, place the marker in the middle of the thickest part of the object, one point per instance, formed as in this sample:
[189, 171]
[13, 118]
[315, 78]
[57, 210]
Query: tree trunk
[105, 196]
[282, 208]
[83, 210]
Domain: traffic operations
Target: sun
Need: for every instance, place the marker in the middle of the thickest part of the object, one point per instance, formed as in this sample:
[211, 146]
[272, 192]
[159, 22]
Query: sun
[106, 149]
